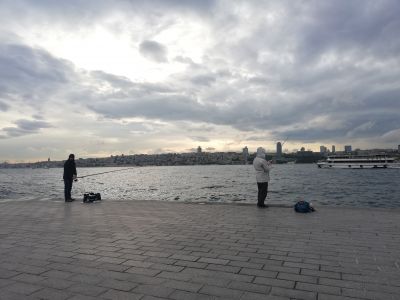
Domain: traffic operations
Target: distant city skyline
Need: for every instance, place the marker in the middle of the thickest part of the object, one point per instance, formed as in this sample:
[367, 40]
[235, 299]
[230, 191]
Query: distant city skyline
[246, 152]
[100, 78]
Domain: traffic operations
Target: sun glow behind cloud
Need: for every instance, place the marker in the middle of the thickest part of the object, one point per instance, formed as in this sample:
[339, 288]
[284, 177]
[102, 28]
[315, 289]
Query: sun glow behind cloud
[110, 47]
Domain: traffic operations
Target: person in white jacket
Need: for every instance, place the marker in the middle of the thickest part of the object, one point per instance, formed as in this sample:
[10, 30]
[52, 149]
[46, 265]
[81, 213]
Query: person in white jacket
[262, 168]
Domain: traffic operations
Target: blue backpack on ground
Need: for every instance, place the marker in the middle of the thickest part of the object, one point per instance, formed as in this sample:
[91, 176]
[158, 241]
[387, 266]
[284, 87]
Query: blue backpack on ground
[303, 207]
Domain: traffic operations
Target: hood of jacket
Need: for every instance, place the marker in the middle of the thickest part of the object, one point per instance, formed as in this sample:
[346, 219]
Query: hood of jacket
[261, 152]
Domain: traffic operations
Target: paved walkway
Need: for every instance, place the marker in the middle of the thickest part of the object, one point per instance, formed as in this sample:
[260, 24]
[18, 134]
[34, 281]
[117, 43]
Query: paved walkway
[155, 250]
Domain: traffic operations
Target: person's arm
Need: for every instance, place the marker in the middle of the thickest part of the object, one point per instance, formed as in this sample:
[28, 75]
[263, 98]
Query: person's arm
[75, 175]
[266, 165]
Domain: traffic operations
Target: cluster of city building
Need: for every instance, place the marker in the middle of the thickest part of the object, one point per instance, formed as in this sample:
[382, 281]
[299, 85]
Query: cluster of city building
[205, 158]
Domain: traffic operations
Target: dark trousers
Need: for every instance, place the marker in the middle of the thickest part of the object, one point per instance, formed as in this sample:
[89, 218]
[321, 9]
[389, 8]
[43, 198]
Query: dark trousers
[67, 188]
[262, 192]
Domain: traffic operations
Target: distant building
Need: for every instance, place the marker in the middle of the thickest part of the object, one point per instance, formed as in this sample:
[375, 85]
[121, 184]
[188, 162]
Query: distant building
[347, 148]
[323, 149]
[398, 148]
[333, 149]
[279, 149]
[245, 154]
[198, 149]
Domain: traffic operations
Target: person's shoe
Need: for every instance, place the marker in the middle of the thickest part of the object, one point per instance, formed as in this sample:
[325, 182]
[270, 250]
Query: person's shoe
[262, 206]
[72, 199]
[69, 200]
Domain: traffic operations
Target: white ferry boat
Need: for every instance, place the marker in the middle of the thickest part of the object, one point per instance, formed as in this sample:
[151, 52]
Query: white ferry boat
[359, 162]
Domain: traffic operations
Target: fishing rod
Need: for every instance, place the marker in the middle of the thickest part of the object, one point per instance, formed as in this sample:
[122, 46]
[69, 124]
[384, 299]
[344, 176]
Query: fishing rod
[105, 172]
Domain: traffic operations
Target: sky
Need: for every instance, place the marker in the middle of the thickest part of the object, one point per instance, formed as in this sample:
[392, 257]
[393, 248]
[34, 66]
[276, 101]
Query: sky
[99, 78]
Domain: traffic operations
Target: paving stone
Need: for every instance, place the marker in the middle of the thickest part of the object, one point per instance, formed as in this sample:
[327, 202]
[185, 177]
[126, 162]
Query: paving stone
[256, 296]
[183, 285]
[113, 267]
[333, 275]
[57, 274]
[366, 294]
[161, 260]
[165, 267]
[296, 294]
[86, 289]
[5, 282]
[221, 292]
[158, 291]
[216, 281]
[137, 263]
[143, 279]
[85, 279]
[111, 260]
[185, 257]
[57, 283]
[223, 268]
[22, 288]
[183, 295]
[296, 277]
[51, 294]
[318, 288]
[116, 247]
[191, 264]
[118, 284]
[7, 273]
[173, 275]
[274, 282]
[7, 295]
[213, 261]
[143, 271]
[86, 256]
[28, 278]
[256, 272]
[249, 287]
[301, 265]
[120, 295]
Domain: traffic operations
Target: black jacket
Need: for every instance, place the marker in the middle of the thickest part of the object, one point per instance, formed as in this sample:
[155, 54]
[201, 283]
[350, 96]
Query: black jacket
[69, 169]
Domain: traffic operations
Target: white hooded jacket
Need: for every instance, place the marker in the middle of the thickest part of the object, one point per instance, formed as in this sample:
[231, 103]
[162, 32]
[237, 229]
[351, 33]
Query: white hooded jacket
[261, 166]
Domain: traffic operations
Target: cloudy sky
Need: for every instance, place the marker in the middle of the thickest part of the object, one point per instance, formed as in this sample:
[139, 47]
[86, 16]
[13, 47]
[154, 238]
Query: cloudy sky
[97, 77]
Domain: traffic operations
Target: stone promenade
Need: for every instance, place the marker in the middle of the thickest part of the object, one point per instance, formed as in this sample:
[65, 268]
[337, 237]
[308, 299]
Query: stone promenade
[156, 250]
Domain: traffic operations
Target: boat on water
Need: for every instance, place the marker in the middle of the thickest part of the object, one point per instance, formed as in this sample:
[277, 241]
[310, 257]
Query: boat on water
[359, 162]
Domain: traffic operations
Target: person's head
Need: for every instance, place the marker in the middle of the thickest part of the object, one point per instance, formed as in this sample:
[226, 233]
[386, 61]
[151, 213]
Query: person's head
[71, 157]
[261, 152]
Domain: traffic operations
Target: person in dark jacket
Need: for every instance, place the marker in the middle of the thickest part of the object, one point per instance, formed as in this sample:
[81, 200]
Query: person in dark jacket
[69, 176]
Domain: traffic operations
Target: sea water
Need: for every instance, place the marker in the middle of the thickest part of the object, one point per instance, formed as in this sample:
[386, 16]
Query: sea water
[211, 183]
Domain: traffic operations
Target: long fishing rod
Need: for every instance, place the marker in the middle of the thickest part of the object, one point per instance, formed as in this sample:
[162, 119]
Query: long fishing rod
[104, 172]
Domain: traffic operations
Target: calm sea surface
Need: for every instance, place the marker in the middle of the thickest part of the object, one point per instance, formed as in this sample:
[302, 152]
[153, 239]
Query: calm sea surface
[289, 183]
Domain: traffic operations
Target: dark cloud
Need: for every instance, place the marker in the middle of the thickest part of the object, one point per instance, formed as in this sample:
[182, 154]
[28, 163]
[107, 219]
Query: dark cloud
[30, 75]
[3, 106]
[153, 51]
[343, 26]
[87, 10]
[25, 127]
[206, 80]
